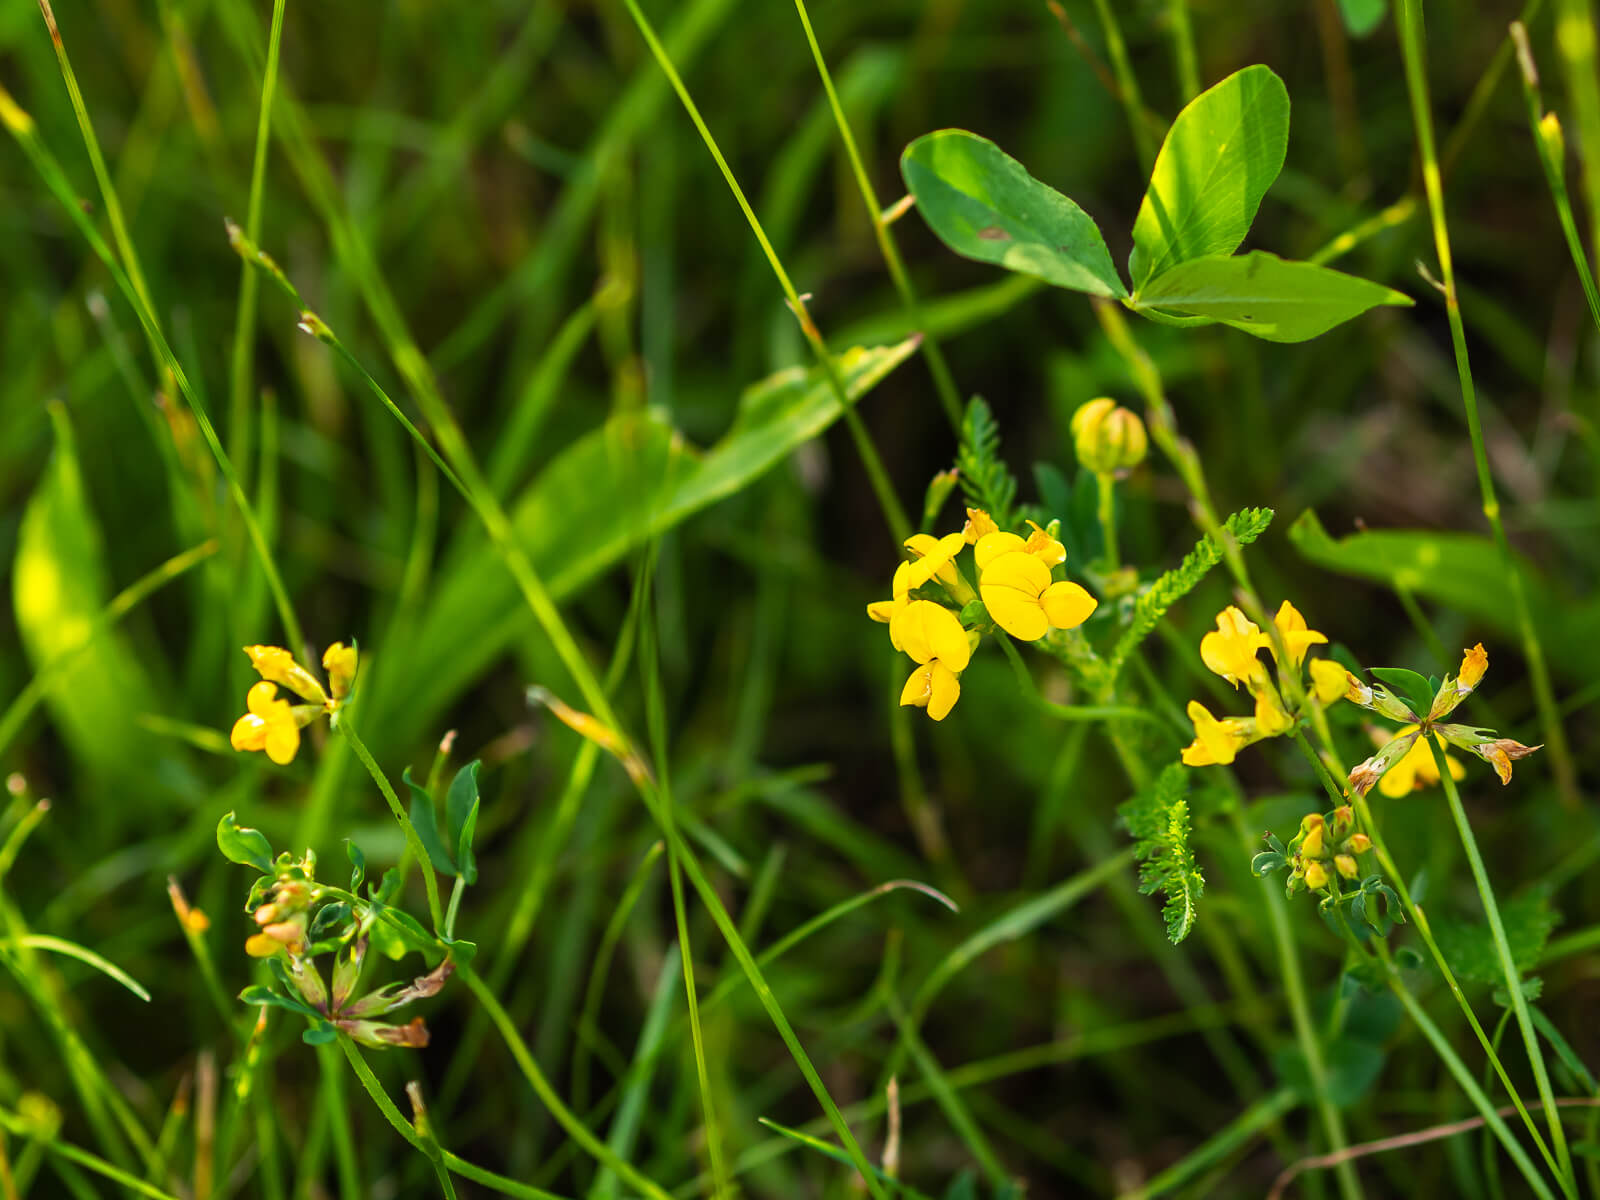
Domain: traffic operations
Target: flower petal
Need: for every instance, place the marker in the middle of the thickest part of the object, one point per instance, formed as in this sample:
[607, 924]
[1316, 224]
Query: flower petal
[249, 733]
[1327, 681]
[927, 631]
[1066, 605]
[944, 691]
[992, 545]
[282, 741]
[1044, 547]
[261, 699]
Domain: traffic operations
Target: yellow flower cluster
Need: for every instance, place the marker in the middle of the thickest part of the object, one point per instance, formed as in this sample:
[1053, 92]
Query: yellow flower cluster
[1232, 651]
[274, 725]
[1016, 588]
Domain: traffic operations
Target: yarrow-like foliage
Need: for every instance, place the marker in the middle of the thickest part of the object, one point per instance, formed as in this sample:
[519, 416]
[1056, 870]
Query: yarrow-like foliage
[1158, 819]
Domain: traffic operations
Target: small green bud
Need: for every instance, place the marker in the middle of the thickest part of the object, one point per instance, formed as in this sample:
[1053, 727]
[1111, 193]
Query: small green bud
[1108, 438]
[939, 489]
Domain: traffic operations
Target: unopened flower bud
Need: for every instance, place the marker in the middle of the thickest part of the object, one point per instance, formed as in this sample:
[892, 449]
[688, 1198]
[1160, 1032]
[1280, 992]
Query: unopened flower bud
[1346, 865]
[1344, 819]
[1108, 438]
[1316, 876]
[1359, 844]
[1312, 847]
[979, 524]
[339, 661]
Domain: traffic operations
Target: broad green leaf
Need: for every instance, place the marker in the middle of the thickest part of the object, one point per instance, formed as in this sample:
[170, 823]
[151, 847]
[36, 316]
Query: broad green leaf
[426, 822]
[632, 479]
[358, 863]
[461, 816]
[1464, 572]
[1262, 294]
[1353, 1066]
[1220, 157]
[245, 846]
[984, 205]
[1361, 17]
[1468, 946]
[1410, 686]
[60, 587]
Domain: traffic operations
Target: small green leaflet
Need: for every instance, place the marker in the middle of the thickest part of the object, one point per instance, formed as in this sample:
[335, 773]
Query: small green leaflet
[1219, 158]
[983, 204]
[1223, 152]
[1273, 298]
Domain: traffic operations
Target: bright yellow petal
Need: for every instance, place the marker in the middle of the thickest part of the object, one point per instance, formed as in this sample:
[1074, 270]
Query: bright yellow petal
[992, 545]
[944, 690]
[339, 661]
[902, 581]
[1018, 614]
[1271, 719]
[1327, 680]
[1018, 570]
[927, 631]
[260, 699]
[1066, 605]
[1230, 651]
[1473, 665]
[283, 741]
[882, 610]
[1212, 734]
[1044, 547]
[278, 665]
[1401, 779]
[978, 524]
[1196, 755]
[918, 689]
[249, 733]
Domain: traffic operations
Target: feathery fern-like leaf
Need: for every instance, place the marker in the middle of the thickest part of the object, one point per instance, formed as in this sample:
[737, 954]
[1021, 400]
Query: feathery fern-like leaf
[1244, 526]
[985, 480]
[1158, 819]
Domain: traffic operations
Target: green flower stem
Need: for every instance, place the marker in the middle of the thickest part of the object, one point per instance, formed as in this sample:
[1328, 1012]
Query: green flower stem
[1304, 1028]
[1108, 518]
[1419, 919]
[899, 524]
[131, 285]
[452, 1162]
[944, 383]
[241, 367]
[1462, 1076]
[1127, 85]
[1408, 20]
[575, 1128]
[413, 842]
[1163, 428]
[1508, 968]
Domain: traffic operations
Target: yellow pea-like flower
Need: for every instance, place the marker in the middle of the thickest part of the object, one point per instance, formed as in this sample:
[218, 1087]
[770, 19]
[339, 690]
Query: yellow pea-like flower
[1044, 547]
[933, 687]
[932, 635]
[1230, 649]
[276, 664]
[978, 524]
[269, 724]
[1297, 639]
[933, 560]
[1017, 591]
[1215, 742]
[1329, 681]
[339, 661]
[928, 631]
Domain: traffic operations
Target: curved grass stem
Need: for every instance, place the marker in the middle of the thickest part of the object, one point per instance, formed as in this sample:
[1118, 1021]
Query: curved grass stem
[413, 842]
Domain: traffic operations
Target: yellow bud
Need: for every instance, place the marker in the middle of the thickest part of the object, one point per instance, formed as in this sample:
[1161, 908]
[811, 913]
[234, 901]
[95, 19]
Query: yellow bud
[339, 661]
[1359, 844]
[1346, 865]
[1312, 847]
[978, 524]
[1555, 143]
[1108, 438]
[1316, 876]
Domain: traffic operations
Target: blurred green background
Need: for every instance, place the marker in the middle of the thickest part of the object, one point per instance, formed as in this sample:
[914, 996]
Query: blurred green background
[517, 185]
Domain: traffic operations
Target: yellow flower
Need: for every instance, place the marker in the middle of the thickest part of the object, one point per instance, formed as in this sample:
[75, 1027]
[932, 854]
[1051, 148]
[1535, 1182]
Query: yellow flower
[1271, 717]
[1044, 547]
[1329, 681]
[339, 661]
[1416, 768]
[1297, 639]
[933, 637]
[1215, 741]
[933, 559]
[1017, 591]
[278, 665]
[1230, 650]
[269, 725]
[978, 524]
